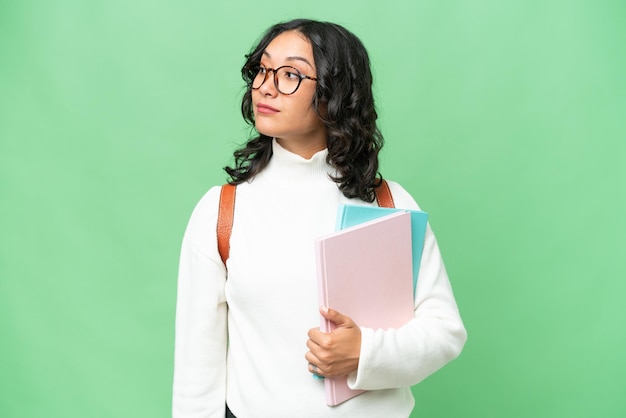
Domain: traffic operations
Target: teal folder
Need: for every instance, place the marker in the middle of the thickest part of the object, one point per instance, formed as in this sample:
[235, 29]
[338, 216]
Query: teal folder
[350, 215]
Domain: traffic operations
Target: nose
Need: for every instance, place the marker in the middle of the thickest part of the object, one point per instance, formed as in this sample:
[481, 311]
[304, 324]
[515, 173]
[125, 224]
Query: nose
[268, 88]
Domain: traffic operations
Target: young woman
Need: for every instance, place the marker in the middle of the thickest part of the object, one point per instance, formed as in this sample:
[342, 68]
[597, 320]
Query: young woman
[246, 332]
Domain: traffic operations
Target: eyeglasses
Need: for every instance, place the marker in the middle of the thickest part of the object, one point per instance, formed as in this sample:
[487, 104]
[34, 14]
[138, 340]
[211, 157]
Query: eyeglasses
[287, 79]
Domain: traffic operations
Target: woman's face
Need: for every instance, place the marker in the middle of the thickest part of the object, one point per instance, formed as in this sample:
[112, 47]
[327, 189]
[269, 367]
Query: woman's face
[291, 119]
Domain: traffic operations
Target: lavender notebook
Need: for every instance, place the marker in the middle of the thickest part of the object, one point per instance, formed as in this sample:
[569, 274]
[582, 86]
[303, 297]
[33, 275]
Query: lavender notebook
[365, 272]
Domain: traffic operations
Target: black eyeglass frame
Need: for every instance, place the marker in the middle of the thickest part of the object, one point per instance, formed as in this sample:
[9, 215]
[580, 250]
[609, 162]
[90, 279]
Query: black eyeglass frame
[255, 70]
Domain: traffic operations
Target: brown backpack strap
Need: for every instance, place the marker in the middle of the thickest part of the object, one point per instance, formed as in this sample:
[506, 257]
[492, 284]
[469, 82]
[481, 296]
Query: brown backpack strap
[226, 212]
[383, 195]
[225, 216]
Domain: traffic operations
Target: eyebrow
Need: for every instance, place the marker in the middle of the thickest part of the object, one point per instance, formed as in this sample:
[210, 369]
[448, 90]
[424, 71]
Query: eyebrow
[294, 58]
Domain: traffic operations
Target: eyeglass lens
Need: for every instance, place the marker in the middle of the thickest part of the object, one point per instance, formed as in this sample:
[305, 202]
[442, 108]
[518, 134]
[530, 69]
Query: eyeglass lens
[286, 79]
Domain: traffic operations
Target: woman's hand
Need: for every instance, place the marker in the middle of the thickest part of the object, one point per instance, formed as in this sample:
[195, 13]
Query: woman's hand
[335, 353]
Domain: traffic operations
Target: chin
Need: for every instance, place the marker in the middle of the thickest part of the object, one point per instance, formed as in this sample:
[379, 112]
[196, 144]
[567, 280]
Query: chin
[267, 132]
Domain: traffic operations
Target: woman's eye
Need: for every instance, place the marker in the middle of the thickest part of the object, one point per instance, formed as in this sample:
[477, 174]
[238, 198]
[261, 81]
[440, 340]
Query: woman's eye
[291, 75]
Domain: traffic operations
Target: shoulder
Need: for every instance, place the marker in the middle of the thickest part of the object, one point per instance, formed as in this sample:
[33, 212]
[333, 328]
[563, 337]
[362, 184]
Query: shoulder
[203, 221]
[401, 197]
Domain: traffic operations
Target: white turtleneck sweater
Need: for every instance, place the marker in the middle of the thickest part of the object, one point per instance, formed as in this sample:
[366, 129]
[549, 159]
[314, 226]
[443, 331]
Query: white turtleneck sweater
[251, 355]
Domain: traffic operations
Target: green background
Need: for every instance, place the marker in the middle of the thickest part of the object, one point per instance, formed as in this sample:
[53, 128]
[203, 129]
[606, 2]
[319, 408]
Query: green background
[505, 119]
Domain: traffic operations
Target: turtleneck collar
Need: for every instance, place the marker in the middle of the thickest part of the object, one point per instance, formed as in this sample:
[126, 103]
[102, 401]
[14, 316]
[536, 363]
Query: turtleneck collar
[290, 166]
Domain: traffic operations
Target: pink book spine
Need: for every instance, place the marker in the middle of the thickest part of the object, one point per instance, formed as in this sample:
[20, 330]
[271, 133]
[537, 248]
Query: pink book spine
[337, 390]
[325, 325]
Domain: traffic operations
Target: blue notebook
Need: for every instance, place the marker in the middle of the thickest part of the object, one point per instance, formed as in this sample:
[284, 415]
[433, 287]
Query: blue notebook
[350, 215]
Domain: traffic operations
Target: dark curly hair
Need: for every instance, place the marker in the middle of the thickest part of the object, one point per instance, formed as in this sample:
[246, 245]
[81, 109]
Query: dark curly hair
[343, 100]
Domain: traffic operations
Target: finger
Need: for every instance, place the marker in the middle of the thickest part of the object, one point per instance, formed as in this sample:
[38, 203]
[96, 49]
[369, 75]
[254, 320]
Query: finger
[314, 333]
[314, 369]
[315, 339]
[334, 316]
[312, 358]
[316, 353]
[319, 338]
[312, 345]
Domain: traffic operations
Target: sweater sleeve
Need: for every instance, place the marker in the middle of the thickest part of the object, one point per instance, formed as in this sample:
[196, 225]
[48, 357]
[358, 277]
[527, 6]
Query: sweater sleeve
[435, 336]
[199, 388]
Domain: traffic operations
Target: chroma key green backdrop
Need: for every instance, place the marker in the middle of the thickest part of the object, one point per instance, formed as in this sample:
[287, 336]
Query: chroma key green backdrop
[505, 119]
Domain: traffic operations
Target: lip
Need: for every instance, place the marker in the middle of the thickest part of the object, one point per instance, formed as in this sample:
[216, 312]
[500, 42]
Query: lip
[266, 109]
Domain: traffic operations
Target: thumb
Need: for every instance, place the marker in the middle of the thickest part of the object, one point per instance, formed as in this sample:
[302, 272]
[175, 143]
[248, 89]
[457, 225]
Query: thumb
[335, 317]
